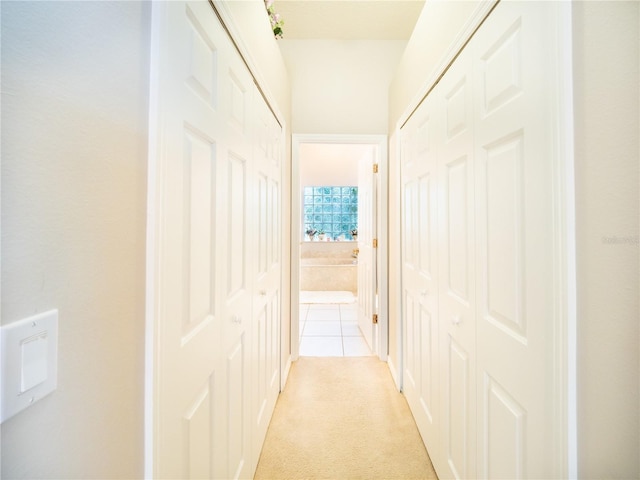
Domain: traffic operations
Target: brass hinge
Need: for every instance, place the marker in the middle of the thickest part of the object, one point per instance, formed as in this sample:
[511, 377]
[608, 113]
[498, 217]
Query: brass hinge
[375, 318]
[375, 243]
[375, 168]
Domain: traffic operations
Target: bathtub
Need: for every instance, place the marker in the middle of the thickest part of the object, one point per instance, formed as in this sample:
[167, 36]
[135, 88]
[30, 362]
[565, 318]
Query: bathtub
[329, 274]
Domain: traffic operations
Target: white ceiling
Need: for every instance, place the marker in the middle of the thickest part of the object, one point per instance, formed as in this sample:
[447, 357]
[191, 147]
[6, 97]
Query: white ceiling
[348, 19]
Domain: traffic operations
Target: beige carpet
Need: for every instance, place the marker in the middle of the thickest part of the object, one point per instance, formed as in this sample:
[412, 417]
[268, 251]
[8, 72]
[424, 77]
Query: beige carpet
[342, 418]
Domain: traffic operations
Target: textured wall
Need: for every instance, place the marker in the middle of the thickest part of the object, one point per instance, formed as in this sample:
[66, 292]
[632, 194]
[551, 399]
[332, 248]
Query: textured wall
[74, 135]
[607, 102]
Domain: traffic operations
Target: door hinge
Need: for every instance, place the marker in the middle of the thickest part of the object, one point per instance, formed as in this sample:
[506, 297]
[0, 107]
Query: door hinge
[375, 318]
[375, 243]
[375, 168]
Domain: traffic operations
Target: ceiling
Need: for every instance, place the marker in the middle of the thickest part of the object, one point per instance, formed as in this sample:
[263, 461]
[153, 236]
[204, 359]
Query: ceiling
[348, 19]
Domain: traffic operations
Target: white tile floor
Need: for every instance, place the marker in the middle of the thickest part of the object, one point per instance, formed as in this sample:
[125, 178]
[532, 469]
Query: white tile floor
[331, 330]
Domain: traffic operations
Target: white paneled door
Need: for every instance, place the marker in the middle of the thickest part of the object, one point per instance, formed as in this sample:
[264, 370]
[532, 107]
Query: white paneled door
[482, 254]
[366, 252]
[266, 271]
[514, 150]
[419, 269]
[215, 282]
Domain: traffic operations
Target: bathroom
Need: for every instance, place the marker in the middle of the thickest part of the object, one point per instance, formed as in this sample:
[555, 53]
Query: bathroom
[328, 286]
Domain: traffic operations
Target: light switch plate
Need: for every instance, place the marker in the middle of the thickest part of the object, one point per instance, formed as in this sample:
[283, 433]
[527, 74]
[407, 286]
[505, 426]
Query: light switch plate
[29, 362]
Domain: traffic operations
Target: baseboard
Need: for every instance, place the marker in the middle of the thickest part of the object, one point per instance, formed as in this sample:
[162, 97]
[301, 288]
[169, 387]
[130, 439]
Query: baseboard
[285, 373]
[394, 374]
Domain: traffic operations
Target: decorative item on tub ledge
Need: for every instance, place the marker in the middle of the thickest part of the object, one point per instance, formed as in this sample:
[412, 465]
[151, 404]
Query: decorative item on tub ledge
[354, 233]
[310, 231]
[276, 22]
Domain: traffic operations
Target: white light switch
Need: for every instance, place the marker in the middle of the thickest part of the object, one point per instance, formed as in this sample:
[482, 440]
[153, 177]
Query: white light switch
[29, 361]
[34, 361]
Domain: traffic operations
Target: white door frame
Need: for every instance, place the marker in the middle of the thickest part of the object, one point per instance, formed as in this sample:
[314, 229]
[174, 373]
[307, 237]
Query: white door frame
[381, 142]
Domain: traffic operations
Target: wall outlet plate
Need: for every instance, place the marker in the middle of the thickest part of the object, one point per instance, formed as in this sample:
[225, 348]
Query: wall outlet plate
[29, 362]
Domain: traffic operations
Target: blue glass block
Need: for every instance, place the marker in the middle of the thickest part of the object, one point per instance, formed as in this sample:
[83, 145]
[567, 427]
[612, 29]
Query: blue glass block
[346, 200]
[317, 199]
[308, 218]
[326, 209]
[326, 227]
[317, 209]
[308, 209]
[336, 208]
[354, 199]
[308, 190]
[308, 199]
[326, 218]
[354, 208]
[326, 190]
[336, 190]
[337, 199]
[352, 227]
[344, 227]
[317, 218]
[346, 190]
[317, 190]
[336, 219]
[346, 218]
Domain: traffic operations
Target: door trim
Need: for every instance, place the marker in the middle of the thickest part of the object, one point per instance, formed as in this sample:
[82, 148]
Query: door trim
[381, 142]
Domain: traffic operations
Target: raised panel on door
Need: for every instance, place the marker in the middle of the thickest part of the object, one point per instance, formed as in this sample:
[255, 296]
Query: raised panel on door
[197, 433]
[237, 446]
[459, 444]
[515, 241]
[456, 286]
[188, 306]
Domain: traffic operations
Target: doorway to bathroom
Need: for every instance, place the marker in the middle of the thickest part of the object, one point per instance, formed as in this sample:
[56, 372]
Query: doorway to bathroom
[338, 245]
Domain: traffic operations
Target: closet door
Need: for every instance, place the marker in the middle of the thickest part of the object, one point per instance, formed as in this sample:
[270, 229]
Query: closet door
[514, 74]
[190, 241]
[456, 285]
[419, 270]
[266, 272]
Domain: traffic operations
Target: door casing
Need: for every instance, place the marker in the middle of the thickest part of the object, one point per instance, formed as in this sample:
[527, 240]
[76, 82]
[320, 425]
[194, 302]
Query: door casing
[381, 144]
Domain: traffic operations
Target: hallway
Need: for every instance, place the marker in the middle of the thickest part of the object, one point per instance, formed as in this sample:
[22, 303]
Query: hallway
[342, 418]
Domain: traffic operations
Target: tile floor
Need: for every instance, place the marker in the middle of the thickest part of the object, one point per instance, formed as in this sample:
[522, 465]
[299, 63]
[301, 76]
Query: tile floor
[331, 330]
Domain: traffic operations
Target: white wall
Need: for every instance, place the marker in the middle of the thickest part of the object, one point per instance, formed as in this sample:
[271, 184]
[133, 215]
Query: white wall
[330, 164]
[607, 152]
[340, 86]
[74, 136]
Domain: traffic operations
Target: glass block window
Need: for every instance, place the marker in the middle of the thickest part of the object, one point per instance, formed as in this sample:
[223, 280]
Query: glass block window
[333, 210]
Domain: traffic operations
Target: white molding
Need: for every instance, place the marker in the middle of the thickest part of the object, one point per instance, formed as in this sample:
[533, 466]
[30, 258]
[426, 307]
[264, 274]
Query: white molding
[464, 35]
[565, 309]
[394, 374]
[153, 206]
[285, 373]
[399, 312]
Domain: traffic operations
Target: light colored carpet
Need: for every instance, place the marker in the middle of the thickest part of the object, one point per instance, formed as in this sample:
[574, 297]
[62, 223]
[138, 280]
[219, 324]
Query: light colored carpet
[342, 418]
[309, 296]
